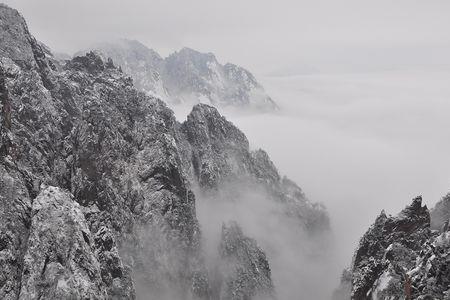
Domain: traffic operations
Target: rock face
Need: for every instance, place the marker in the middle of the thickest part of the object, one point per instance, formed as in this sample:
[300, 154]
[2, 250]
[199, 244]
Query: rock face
[83, 127]
[96, 180]
[441, 213]
[220, 155]
[135, 59]
[400, 258]
[244, 268]
[58, 262]
[187, 76]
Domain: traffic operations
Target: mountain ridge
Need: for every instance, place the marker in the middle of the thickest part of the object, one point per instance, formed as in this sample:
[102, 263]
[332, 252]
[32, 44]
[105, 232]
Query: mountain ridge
[400, 257]
[187, 76]
[97, 185]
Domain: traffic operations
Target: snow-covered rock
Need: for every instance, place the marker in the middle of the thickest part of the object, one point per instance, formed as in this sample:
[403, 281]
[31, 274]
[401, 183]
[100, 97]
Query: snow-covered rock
[244, 269]
[96, 181]
[220, 155]
[136, 60]
[186, 76]
[192, 76]
[400, 257]
[440, 214]
[59, 262]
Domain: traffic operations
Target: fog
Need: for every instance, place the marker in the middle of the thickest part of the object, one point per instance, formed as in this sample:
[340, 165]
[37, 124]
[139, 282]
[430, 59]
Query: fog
[303, 266]
[359, 143]
[356, 142]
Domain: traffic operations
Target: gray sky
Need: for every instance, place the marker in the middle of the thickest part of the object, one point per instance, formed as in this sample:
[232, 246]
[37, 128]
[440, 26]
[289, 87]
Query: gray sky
[278, 37]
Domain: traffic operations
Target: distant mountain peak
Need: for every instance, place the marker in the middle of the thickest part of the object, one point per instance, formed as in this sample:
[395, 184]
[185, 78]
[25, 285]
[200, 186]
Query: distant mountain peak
[192, 52]
[187, 76]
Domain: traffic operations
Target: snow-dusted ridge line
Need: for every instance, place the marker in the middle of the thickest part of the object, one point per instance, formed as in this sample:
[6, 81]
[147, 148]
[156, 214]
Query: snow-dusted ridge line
[186, 76]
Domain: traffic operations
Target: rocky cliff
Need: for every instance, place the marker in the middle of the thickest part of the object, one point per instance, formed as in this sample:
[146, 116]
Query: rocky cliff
[143, 64]
[186, 76]
[97, 180]
[244, 268]
[440, 214]
[400, 257]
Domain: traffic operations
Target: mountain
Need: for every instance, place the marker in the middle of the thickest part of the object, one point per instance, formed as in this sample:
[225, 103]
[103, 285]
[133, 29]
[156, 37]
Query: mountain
[138, 61]
[186, 76]
[100, 187]
[400, 257]
[441, 212]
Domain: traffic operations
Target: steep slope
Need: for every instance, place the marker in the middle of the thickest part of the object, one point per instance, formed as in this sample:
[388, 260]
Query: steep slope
[58, 262]
[141, 63]
[234, 183]
[400, 257]
[192, 76]
[220, 155]
[84, 128]
[244, 268]
[187, 76]
[441, 213]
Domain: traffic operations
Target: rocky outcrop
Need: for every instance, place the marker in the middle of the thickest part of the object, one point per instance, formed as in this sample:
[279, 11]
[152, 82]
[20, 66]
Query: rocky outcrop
[220, 155]
[15, 210]
[135, 59]
[191, 76]
[186, 76]
[440, 214]
[59, 262]
[84, 128]
[400, 258]
[244, 269]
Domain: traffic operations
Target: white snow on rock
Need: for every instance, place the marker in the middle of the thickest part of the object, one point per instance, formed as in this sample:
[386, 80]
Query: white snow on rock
[186, 76]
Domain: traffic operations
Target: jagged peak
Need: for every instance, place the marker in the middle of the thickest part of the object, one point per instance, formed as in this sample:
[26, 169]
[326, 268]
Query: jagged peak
[381, 217]
[92, 62]
[187, 75]
[129, 45]
[15, 37]
[192, 52]
[440, 212]
[207, 116]
[4, 7]
[205, 109]
[415, 209]
[46, 49]
[229, 67]
[235, 243]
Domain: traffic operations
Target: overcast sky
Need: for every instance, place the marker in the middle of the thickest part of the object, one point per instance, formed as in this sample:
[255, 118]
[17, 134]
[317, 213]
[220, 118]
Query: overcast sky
[278, 37]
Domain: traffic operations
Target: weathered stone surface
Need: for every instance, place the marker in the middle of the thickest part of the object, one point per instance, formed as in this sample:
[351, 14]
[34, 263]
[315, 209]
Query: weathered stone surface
[244, 269]
[15, 209]
[440, 213]
[15, 37]
[219, 149]
[59, 262]
[90, 132]
[186, 76]
[135, 59]
[400, 258]
[219, 153]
